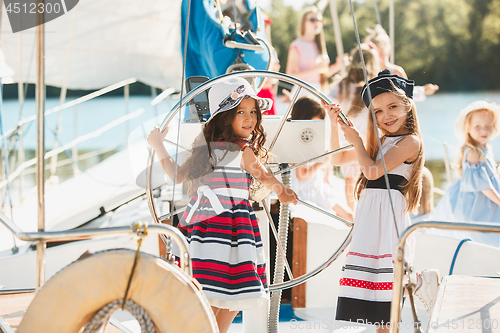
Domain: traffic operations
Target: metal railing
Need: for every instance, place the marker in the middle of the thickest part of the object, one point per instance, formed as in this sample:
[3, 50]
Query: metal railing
[52, 236]
[398, 288]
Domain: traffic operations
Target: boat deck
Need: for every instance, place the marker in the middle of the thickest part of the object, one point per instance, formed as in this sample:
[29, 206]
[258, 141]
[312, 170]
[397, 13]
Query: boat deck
[467, 304]
[13, 305]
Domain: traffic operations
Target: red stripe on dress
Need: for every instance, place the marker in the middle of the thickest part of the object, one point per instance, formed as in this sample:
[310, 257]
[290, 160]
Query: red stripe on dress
[369, 255]
[366, 284]
[223, 268]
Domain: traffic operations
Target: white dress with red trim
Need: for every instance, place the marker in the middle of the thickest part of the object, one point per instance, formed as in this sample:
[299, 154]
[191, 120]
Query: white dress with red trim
[225, 244]
[366, 283]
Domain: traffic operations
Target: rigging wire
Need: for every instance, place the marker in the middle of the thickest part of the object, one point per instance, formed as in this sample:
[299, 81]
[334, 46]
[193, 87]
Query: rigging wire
[188, 14]
[377, 13]
[372, 111]
[6, 162]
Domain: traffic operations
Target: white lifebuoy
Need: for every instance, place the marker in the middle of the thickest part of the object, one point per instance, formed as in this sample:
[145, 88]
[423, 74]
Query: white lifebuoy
[72, 297]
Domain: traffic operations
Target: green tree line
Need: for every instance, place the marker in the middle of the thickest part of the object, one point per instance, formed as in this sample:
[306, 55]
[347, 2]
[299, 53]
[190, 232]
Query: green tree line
[452, 43]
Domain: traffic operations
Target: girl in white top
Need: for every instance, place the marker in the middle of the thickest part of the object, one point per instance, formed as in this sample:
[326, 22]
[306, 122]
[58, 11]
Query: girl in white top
[366, 284]
[311, 181]
[379, 40]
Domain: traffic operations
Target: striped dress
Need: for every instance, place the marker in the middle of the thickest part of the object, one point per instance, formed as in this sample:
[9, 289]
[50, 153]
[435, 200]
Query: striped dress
[366, 284]
[224, 238]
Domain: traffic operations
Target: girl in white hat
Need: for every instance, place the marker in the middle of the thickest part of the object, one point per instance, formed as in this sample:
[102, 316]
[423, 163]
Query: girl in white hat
[475, 196]
[224, 238]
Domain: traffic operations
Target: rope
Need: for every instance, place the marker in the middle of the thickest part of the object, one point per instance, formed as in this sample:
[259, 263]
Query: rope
[141, 234]
[453, 261]
[102, 316]
[374, 118]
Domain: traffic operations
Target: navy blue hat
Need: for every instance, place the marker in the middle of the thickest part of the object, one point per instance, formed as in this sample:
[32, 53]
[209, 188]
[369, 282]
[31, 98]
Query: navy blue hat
[384, 82]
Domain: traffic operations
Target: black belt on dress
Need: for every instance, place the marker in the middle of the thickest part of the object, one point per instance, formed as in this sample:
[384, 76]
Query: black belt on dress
[396, 182]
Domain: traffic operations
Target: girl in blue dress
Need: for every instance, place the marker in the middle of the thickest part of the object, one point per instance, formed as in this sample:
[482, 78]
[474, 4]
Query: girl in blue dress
[475, 196]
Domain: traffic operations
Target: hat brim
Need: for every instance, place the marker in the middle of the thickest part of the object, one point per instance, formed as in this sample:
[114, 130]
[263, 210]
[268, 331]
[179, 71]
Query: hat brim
[265, 104]
[475, 106]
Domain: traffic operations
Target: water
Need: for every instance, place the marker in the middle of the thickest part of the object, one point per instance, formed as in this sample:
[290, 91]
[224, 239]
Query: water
[90, 116]
[437, 117]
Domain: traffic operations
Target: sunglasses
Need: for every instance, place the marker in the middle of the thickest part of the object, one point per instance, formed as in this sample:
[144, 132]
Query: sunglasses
[314, 20]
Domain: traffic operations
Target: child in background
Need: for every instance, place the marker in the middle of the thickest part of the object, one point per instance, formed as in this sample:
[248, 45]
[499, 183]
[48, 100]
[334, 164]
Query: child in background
[347, 94]
[366, 284]
[224, 238]
[380, 41]
[475, 196]
[312, 179]
[307, 56]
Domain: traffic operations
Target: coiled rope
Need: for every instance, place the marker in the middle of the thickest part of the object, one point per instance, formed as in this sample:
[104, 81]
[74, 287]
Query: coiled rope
[102, 316]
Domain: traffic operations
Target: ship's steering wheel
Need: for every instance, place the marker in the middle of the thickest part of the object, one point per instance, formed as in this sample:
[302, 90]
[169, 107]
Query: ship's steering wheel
[254, 74]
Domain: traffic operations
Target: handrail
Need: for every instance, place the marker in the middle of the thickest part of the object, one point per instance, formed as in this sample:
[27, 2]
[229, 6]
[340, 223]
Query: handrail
[397, 297]
[72, 103]
[78, 140]
[51, 236]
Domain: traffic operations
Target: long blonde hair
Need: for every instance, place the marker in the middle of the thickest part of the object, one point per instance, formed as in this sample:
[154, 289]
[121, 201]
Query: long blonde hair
[469, 141]
[412, 190]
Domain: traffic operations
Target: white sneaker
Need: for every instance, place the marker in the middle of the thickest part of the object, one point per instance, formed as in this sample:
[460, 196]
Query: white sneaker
[428, 282]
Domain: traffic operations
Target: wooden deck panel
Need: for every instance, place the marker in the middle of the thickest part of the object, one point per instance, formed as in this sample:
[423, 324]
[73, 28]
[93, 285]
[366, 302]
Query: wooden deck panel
[467, 304]
[299, 266]
[13, 305]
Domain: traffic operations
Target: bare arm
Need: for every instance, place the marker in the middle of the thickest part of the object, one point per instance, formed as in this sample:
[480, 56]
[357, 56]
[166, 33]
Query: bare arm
[343, 157]
[155, 140]
[406, 150]
[306, 171]
[252, 165]
[292, 65]
[492, 195]
[474, 158]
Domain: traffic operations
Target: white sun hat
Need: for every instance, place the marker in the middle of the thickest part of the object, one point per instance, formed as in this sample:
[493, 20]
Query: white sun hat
[476, 106]
[227, 94]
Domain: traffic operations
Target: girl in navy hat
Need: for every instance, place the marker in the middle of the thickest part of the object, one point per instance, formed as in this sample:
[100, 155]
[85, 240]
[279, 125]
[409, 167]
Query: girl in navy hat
[224, 238]
[366, 284]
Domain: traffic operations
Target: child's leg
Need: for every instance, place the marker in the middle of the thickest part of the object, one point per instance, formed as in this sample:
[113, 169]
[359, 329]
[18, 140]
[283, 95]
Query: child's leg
[341, 212]
[350, 183]
[224, 318]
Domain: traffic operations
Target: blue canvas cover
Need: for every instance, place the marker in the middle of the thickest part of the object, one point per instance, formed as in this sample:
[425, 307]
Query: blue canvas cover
[206, 53]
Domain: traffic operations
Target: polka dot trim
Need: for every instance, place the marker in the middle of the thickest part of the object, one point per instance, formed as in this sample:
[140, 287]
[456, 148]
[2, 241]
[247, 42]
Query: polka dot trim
[366, 284]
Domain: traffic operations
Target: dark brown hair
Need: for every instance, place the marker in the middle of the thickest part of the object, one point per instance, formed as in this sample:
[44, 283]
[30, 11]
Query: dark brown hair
[219, 129]
[307, 108]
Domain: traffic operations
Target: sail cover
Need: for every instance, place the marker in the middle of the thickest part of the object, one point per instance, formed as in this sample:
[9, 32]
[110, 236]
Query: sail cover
[99, 43]
[206, 54]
